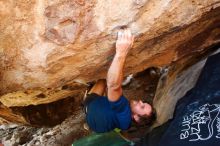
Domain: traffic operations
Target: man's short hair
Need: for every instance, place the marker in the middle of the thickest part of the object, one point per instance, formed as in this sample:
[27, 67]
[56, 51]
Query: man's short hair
[147, 120]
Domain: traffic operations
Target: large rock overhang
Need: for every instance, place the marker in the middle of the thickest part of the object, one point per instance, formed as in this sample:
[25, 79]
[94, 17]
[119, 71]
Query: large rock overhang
[50, 49]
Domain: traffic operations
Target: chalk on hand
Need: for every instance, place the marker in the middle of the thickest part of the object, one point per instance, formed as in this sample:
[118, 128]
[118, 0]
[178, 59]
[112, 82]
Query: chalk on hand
[119, 34]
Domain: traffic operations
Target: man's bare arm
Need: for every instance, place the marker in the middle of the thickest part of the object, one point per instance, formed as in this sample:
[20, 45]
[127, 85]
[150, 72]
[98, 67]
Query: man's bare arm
[115, 72]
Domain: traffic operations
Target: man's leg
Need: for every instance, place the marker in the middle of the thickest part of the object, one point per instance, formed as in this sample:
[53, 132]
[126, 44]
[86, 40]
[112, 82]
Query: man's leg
[99, 88]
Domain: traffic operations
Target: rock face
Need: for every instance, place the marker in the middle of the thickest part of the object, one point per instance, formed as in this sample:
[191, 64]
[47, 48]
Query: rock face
[48, 47]
[59, 135]
[174, 84]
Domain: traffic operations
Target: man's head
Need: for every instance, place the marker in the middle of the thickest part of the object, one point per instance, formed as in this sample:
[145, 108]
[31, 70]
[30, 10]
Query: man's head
[142, 113]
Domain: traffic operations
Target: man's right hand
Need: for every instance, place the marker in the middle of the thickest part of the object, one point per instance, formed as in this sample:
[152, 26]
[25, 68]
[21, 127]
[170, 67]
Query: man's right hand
[124, 42]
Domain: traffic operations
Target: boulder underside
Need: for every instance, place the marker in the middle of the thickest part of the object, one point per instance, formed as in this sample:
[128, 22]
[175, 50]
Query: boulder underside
[49, 50]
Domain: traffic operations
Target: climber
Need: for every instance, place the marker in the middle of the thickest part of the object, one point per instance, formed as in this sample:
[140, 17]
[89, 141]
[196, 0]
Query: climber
[103, 113]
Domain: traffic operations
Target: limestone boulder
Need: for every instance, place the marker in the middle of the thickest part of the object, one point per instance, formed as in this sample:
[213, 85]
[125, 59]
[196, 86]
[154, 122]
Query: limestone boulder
[49, 49]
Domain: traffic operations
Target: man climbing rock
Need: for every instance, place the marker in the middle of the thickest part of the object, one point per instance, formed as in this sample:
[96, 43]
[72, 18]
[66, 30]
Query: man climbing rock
[103, 113]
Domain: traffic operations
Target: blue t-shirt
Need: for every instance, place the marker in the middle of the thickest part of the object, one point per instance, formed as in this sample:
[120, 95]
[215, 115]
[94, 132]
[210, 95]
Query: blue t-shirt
[196, 120]
[104, 116]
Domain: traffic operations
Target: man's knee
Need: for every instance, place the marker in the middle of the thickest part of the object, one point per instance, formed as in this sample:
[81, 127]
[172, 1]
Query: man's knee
[99, 87]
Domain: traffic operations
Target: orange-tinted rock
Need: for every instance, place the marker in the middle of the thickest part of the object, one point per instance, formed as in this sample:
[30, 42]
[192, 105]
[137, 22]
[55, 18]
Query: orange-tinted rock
[49, 44]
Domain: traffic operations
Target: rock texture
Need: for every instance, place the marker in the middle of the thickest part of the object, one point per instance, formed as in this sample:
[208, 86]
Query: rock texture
[60, 135]
[47, 46]
[49, 114]
[174, 83]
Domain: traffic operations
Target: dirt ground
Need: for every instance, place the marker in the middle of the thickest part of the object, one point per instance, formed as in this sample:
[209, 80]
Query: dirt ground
[141, 86]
